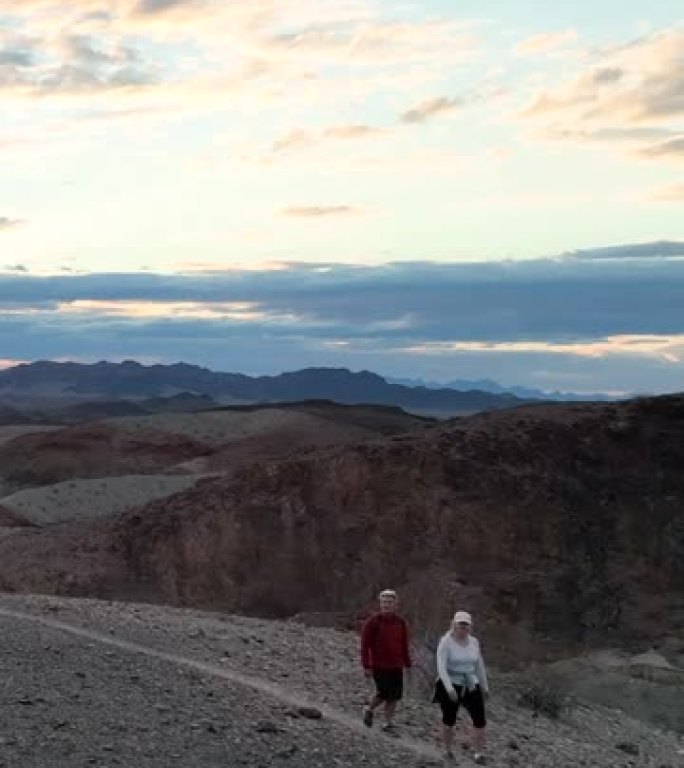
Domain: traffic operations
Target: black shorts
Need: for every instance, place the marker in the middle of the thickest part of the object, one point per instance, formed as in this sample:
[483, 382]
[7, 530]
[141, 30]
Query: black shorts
[473, 702]
[389, 683]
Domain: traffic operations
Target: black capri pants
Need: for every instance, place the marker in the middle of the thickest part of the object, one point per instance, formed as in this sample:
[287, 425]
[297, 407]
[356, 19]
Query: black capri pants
[473, 702]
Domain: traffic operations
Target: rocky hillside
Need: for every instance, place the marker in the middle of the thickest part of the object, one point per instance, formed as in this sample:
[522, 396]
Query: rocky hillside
[50, 474]
[560, 526]
[107, 684]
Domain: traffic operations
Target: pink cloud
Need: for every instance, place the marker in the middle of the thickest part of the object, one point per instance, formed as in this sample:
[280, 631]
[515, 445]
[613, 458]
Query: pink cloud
[429, 109]
[546, 42]
[319, 211]
[628, 89]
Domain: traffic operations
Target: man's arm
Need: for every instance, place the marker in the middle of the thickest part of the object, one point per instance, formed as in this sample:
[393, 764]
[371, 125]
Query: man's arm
[366, 643]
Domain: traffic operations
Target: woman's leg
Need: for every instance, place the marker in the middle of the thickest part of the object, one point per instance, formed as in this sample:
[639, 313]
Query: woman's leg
[448, 738]
[449, 714]
[467, 734]
[479, 739]
[473, 701]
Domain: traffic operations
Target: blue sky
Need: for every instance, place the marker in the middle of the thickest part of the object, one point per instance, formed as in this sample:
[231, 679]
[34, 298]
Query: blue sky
[195, 138]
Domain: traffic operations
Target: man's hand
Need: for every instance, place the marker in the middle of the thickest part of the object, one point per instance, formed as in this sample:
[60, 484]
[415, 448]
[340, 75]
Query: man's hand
[453, 695]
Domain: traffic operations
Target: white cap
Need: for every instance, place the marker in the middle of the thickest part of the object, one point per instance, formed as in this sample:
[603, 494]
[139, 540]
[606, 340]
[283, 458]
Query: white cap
[462, 617]
[387, 593]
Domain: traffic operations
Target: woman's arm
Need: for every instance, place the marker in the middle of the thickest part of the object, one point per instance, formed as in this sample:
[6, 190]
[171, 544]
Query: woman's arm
[442, 656]
[481, 671]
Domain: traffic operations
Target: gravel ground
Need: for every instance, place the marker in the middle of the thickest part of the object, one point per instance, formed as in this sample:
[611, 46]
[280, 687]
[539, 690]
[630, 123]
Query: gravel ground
[90, 499]
[217, 427]
[209, 690]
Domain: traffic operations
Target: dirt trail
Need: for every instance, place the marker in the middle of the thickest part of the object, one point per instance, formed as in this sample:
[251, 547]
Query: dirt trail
[275, 692]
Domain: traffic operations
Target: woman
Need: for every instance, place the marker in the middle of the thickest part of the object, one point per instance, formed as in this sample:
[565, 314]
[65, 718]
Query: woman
[462, 680]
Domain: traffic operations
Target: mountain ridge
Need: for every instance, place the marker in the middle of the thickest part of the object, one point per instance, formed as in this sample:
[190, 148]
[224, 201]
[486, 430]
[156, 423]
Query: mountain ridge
[132, 380]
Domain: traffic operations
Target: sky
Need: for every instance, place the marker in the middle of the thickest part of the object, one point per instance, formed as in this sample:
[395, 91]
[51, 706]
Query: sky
[433, 190]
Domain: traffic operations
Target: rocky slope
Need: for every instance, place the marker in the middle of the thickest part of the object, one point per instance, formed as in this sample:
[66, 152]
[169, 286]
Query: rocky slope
[559, 526]
[187, 442]
[90, 683]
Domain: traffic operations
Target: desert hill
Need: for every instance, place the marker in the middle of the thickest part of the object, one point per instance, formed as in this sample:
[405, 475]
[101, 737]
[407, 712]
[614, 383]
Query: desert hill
[120, 463]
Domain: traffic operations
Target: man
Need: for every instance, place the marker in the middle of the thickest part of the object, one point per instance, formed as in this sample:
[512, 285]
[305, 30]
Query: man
[385, 655]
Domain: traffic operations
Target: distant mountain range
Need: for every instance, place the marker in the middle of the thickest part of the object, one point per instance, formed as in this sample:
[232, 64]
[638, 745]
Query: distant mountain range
[493, 387]
[130, 380]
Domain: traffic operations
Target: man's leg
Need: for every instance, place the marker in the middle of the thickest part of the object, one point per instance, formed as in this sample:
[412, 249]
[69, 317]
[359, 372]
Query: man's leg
[394, 690]
[373, 702]
[390, 711]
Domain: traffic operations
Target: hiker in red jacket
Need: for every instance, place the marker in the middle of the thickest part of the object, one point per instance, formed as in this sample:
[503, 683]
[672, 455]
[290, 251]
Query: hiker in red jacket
[385, 655]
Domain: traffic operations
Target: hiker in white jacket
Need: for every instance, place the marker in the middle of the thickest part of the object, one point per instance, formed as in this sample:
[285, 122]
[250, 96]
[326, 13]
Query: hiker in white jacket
[462, 680]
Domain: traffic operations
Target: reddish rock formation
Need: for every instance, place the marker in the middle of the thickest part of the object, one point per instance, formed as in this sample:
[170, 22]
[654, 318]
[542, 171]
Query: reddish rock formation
[9, 519]
[95, 450]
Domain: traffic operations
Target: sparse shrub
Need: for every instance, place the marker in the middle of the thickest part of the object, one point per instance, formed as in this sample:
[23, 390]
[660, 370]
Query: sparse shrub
[545, 694]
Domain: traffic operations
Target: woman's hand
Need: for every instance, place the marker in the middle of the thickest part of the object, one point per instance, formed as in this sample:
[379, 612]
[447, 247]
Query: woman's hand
[453, 696]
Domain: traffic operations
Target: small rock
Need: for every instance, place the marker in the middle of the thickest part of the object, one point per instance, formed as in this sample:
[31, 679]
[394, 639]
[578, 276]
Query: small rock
[310, 713]
[513, 744]
[266, 726]
[288, 752]
[628, 747]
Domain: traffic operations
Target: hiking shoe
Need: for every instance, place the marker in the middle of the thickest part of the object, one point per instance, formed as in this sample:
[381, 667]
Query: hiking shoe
[368, 717]
[389, 728]
[479, 758]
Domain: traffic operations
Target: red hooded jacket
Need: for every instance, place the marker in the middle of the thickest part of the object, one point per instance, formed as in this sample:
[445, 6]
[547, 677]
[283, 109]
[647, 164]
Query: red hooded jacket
[385, 643]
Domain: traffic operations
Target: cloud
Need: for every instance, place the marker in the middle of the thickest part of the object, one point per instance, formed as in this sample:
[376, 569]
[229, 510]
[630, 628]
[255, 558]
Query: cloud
[152, 7]
[669, 348]
[7, 223]
[16, 268]
[546, 42]
[18, 56]
[318, 211]
[620, 291]
[670, 194]
[628, 88]
[673, 148]
[73, 64]
[658, 250]
[363, 40]
[430, 108]
[346, 132]
[303, 139]
[621, 324]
